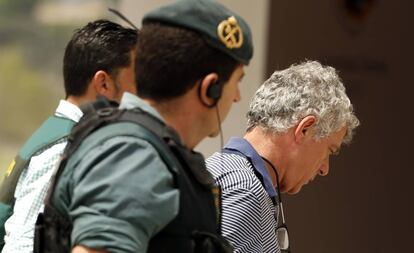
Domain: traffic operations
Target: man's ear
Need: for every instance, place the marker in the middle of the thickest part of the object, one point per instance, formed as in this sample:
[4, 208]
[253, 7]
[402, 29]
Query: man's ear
[205, 83]
[103, 84]
[303, 128]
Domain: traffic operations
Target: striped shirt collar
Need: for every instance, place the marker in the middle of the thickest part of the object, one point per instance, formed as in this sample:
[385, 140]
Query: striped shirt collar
[242, 146]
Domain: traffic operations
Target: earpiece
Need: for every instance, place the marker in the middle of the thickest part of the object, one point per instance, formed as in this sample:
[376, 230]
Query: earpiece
[214, 92]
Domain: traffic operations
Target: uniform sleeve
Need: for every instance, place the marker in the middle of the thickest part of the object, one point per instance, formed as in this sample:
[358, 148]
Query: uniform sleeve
[123, 195]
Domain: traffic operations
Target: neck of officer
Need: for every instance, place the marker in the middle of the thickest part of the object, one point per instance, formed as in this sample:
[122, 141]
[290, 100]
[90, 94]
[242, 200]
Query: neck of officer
[182, 115]
[78, 100]
[88, 96]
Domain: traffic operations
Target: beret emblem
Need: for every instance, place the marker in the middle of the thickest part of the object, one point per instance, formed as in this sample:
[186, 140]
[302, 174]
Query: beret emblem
[230, 33]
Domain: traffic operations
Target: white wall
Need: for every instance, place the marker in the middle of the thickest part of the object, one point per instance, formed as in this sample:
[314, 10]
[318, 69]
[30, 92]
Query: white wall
[256, 14]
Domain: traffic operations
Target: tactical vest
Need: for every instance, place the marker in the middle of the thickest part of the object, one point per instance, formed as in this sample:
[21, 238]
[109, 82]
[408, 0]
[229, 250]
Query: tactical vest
[194, 229]
[52, 131]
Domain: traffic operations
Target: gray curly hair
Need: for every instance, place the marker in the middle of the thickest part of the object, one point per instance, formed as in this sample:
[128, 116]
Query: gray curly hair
[304, 89]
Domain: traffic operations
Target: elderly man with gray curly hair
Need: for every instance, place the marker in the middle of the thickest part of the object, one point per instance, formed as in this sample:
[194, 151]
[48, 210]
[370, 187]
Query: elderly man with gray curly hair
[297, 119]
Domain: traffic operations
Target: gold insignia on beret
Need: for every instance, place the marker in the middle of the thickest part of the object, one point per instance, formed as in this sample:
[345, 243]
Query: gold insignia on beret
[230, 33]
[10, 168]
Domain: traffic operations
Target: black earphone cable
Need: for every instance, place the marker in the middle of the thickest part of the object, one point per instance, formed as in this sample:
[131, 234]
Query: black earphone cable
[220, 129]
[120, 15]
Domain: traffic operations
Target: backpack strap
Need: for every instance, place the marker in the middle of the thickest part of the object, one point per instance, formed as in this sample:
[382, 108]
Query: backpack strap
[53, 130]
[102, 113]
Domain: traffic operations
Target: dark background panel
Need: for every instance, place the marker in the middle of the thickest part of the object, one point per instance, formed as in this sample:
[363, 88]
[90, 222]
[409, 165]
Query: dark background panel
[364, 204]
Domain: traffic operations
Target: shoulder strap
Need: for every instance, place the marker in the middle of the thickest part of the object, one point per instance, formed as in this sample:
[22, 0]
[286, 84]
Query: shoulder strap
[51, 131]
[102, 113]
[54, 129]
[167, 141]
[95, 115]
[156, 132]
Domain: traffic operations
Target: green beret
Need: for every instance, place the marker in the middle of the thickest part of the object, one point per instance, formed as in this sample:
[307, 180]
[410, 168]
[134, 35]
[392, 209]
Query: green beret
[220, 27]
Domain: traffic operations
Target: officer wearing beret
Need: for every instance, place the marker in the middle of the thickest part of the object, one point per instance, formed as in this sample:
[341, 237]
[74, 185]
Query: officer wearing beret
[118, 192]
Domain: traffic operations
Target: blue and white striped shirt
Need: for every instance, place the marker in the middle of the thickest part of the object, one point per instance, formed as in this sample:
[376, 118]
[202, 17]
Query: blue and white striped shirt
[248, 213]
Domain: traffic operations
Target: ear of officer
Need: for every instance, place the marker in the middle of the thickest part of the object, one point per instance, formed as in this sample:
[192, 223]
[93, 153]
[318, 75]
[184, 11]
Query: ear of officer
[210, 90]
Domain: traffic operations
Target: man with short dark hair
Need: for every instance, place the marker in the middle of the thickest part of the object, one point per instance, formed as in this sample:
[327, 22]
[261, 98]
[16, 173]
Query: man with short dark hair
[99, 60]
[130, 187]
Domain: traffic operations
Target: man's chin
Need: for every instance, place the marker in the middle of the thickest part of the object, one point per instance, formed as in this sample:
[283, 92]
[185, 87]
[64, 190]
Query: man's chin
[294, 190]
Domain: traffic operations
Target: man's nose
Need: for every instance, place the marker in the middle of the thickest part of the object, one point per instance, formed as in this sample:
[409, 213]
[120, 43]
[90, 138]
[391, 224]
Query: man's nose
[324, 170]
[237, 98]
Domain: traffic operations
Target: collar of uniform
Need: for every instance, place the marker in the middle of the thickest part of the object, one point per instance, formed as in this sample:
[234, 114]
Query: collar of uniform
[68, 110]
[131, 101]
[242, 146]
